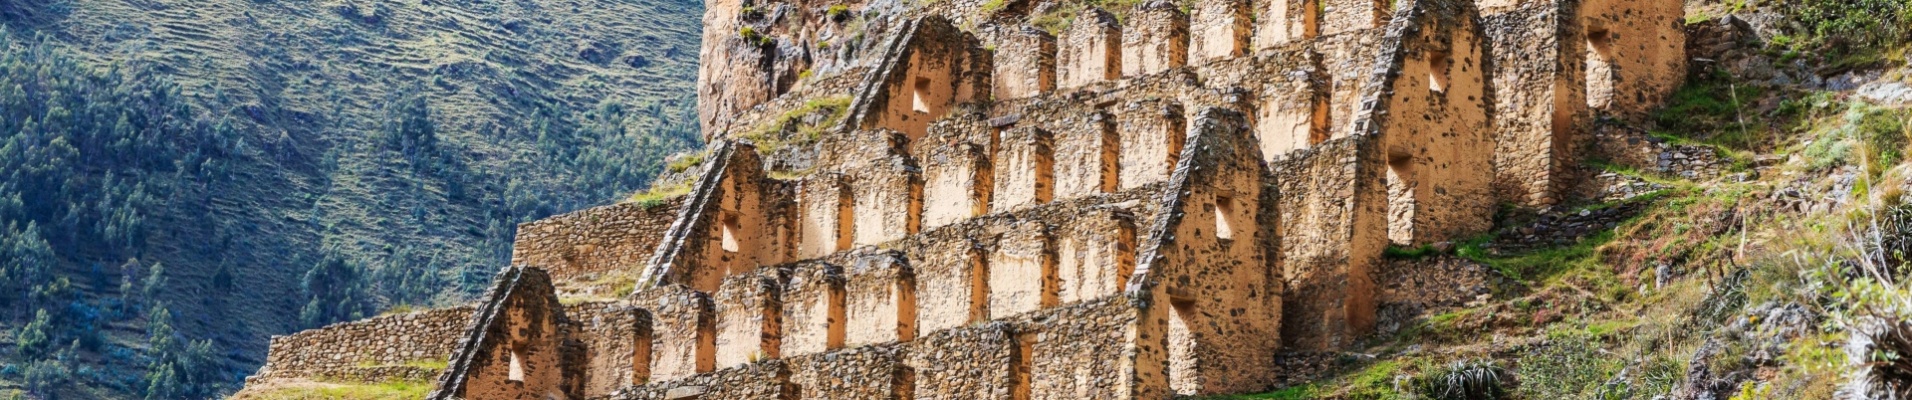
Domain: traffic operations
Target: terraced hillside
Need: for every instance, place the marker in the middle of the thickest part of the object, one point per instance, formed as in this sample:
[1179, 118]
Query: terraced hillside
[370, 155]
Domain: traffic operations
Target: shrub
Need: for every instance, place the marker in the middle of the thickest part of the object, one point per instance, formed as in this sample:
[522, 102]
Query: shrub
[1463, 380]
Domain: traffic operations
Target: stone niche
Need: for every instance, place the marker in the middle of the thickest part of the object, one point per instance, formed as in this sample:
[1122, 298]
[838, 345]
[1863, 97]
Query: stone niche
[1155, 40]
[1294, 108]
[1222, 29]
[1088, 154]
[1091, 50]
[826, 209]
[1096, 255]
[813, 309]
[1354, 15]
[749, 309]
[952, 278]
[958, 178]
[684, 331]
[1025, 63]
[1025, 169]
[1152, 132]
[1286, 21]
[881, 300]
[1022, 270]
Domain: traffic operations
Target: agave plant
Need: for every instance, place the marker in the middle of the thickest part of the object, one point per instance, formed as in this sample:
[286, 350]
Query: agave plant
[1463, 380]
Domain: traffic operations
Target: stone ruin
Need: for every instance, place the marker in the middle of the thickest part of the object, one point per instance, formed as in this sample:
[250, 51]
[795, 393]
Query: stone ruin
[1146, 203]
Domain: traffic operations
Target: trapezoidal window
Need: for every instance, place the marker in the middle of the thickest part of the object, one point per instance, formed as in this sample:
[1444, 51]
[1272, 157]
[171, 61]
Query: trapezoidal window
[1224, 210]
[729, 232]
[918, 102]
[1437, 64]
[516, 373]
[1600, 72]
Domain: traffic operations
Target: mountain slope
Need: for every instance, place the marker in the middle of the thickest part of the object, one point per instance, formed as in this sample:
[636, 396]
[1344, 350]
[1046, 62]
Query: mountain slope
[330, 158]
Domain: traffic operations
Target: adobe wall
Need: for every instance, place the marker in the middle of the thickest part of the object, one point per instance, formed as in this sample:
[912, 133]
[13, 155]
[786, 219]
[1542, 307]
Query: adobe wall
[1203, 268]
[362, 350]
[1333, 224]
[583, 250]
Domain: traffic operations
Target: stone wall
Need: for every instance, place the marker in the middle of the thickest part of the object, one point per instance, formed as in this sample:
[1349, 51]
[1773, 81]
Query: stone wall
[1333, 221]
[1091, 50]
[765, 380]
[1155, 39]
[1203, 267]
[363, 350]
[593, 251]
[517, 345]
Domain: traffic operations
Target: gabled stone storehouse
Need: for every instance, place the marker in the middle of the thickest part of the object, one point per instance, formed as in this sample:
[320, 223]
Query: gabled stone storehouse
[1139, 203]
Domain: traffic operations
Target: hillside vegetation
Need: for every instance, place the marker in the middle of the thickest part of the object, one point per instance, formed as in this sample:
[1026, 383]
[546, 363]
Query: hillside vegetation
[180, 179]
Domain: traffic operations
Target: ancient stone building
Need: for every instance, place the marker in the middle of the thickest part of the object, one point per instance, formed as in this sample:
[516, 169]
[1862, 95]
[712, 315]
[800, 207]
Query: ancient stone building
[1132, 204]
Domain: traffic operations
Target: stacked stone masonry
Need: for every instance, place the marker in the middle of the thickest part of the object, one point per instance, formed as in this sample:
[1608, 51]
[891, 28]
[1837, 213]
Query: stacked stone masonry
[1144, 203]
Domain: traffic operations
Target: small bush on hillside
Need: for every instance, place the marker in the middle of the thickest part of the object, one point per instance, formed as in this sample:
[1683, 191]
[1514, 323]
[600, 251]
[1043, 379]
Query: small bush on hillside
[1849, 26]
[1463, 380]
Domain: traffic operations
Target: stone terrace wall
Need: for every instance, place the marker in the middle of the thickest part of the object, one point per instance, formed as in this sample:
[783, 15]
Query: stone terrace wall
[362, 350]
[764, 380]
[580, 248]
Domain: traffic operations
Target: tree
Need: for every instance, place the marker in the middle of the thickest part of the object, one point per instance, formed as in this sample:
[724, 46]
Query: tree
[35, 340]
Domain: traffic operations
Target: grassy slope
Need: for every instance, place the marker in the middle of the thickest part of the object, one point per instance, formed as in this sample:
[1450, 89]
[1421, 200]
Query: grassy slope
[313, 76]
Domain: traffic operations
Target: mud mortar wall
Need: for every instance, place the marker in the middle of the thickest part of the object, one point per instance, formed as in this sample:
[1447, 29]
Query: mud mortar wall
[1539, 101]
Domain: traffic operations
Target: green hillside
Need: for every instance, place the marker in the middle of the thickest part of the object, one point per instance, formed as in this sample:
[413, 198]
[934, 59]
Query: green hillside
[180, 179]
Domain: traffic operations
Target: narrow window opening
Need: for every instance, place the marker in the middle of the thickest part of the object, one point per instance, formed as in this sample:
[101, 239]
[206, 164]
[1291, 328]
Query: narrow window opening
[1020, 386]
[729, 234]
[516, 373]
[1437, 64]
[1177, 136]
[846, 218]
[904, 386]
[641, 356]
[834, 334]
[706, 345]
[978, 286]
[1400, 183]
[918, 102]
[1111, 153]
[1184, 366]
[1224, 210]
[1600, 71]
[1319, 124]
[1125, 253]
[905, 311]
